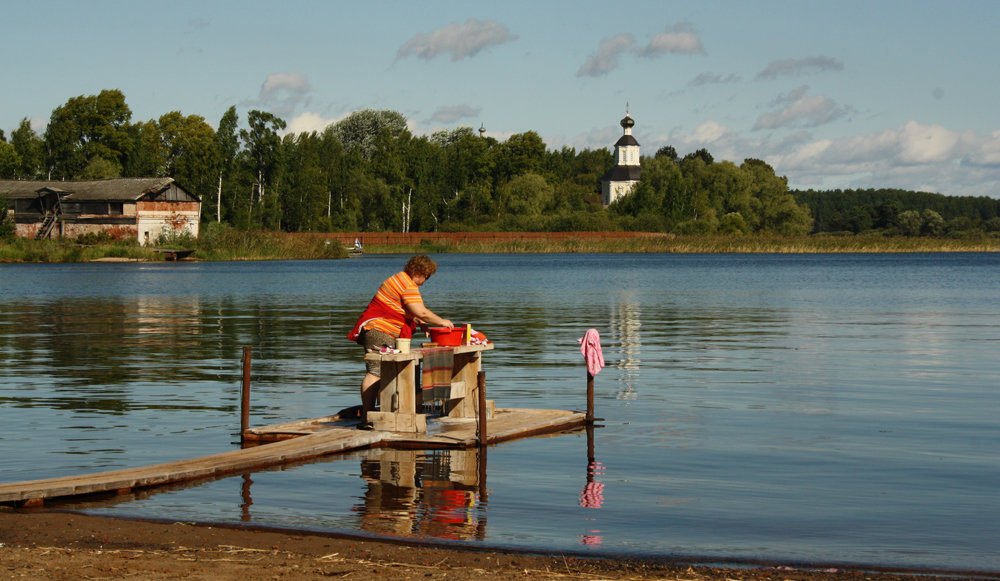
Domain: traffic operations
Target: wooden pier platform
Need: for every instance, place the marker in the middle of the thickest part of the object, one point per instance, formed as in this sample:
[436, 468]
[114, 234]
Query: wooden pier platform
[442, 432]
[293, 442]
[400, 423]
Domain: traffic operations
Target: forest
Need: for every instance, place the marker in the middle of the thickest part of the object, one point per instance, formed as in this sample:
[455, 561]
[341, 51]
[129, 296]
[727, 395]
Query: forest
[368, 172]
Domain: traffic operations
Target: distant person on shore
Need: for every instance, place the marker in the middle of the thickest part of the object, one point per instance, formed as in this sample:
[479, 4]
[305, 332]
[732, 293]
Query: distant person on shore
[394, 312]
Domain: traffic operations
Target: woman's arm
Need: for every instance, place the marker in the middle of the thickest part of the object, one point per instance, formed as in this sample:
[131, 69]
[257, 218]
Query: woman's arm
[424, 316]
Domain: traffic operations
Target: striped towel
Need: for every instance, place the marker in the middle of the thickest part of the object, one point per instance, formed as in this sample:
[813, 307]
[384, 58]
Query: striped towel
[436, 369]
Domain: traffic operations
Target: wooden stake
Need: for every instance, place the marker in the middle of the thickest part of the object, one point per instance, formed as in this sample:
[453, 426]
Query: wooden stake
[483, 492]
[245, 393]
[590, 398]
[481, 383]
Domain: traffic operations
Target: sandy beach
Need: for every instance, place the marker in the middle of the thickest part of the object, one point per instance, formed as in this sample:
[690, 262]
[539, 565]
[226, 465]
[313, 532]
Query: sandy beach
[60, 545]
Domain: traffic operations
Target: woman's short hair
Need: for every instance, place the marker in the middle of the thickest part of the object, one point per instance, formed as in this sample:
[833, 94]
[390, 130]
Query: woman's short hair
[420, 264]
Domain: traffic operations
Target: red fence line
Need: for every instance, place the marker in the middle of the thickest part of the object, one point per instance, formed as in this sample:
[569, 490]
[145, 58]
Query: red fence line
[415, 238]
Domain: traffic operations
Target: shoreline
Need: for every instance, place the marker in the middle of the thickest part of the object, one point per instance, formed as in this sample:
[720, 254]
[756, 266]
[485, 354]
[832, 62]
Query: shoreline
[57, 545]
[299, 246]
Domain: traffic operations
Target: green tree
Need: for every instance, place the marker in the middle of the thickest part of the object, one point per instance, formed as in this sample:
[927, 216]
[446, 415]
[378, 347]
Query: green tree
[304, 189]
[189, 144]
[424, 181]
[467, 181]
[146, 156]
[226, 146]
[668, 152]
[263, 147]
[10, 161]
[859, 219]
[522, 153]
[31, 148]
[910, 223]
[99, 168]
[932, 223]
[702, 154]
[361, 129]
[334, 164]
[85, 129]
[733, 223]
[374, 202]
[525, 195]
[779, 212]
[699, 214]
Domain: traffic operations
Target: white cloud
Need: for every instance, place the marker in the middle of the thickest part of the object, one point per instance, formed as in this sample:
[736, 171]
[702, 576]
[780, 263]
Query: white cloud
[678, 39]
[283, 93]
[914, 156]
[982, 151]
[709, 132]
[810, 151]
[800, 109]
[308, 122]
[461, 40]
[606, 58]
[278, 84]
[792, 67]
[454, 113]
[920, 144]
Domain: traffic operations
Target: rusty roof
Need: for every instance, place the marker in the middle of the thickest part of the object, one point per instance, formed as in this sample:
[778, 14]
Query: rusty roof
[119, 189]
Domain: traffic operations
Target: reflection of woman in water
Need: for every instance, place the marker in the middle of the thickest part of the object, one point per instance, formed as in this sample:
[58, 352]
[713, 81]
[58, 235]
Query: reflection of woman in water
[389, 504]
[393, 312]
[419, 493]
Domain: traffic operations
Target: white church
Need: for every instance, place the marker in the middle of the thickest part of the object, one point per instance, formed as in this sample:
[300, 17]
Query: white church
[621, 178]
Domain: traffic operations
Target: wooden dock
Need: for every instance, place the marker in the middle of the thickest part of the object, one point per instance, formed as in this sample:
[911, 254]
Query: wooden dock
[505, 424]
[399, 424]
[288, 443]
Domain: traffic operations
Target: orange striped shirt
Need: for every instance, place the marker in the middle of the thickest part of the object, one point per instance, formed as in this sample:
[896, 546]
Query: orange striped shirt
[397, 290]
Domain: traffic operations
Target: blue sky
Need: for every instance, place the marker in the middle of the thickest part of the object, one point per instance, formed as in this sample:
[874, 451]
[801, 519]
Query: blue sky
[847, 94]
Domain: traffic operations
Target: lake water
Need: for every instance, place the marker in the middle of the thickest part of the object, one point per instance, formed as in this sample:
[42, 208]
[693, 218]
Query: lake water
[831, 409]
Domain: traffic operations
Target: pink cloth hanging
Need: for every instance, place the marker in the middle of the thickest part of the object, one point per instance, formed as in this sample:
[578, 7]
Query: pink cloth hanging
[590, 346]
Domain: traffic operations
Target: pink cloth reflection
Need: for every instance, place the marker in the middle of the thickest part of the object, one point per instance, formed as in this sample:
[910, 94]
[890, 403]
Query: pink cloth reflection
[590, 346]
[592, 495]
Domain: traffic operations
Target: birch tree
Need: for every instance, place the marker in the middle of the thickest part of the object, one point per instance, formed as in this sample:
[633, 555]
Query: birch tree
[226, 146]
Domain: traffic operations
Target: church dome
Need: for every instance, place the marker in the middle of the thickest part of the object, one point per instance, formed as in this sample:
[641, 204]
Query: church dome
[627, 121]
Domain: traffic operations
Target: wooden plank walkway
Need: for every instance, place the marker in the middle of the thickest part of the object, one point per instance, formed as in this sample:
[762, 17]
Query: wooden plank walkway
[315, 445]
[296, 441]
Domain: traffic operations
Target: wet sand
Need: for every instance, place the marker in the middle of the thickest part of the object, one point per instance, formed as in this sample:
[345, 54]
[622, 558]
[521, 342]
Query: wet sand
[59, 545]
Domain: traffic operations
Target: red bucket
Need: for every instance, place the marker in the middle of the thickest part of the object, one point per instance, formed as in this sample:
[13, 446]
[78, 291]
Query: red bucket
[447, 337]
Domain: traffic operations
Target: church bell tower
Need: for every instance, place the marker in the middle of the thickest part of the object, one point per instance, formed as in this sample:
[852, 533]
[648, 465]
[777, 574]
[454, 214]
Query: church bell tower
[621, 178]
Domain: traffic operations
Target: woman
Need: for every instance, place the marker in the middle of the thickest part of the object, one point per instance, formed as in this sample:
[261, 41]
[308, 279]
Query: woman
[395, 311]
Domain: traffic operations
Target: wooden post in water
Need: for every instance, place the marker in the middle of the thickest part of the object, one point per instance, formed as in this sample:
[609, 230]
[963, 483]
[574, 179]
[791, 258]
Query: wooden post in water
[590, 398]
[245, 393]
[483, 492]
[481, 384]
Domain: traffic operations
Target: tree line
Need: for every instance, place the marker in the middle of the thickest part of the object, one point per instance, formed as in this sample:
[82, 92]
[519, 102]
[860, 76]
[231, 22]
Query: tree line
[901, 212]
[368, 172]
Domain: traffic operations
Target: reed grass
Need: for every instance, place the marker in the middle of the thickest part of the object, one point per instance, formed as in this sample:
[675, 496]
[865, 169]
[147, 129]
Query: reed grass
[700, 244]
[223, 243]
[62, 251]
[219, 242]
